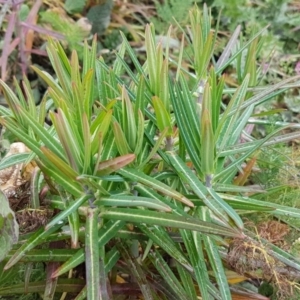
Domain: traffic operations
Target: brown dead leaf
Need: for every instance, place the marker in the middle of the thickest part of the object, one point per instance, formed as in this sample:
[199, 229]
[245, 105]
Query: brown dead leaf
[13, 177]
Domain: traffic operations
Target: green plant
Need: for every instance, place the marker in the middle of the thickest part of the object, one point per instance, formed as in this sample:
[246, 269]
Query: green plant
[170, 12]
[282, 15]
[73, 33]
[144, 171]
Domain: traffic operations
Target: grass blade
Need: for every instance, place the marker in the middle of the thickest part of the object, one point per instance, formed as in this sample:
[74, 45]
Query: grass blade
[39, 236]
[105, 234]
[218, 206]
[137, 176]
[92, 255]
[168, 220]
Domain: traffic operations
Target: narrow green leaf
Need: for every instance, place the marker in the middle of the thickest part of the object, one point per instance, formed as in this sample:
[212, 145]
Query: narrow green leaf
[128, 119]
[23, 136]
[163, 117]
[133, 56]
[13, 102]
[105, 234]
[140, 102]
[92, 255]
[75, 70]
[140, 133]
[68, 184]
[187, 282]
[120, 139]
[275, 209]
[193, 244]
[262, 96]
[136, 271]
[240, 125]
[218, 206]
[187, 121]
[149, 193]
[64, 285]
[102, 80]
[34, 188]
[92, 182]
[215, 260]
[61, 66]
[67, 211]
[33, 241]
[167, 274]
[285, 257]
[227, 62]
[179, 66]
[227, 123]
[89, 55]
[50, 81]
[157, 87]
[27, 90]
[168, 220]
[20, 94]
[44, 134]
[216, 89]
[164, 84]
[137, 176]
[101, 130]
[111, 258]
[155, 147]
[43, 110]
[207, 147]
[13, 159]
[118, 66]
[101, 115]
[128, 201]
[71, 143]
[236, 163]
[151, 58]
[88, 87]
[45, 255]
[87, 145]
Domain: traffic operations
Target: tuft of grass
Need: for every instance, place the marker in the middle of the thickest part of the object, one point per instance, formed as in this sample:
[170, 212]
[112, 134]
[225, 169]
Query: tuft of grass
[169, 12]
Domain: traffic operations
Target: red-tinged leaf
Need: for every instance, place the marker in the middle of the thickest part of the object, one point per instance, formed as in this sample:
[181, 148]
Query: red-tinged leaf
[243, 176]
[241, 295]
[59, 163]
[112, 165]
[51, 283]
